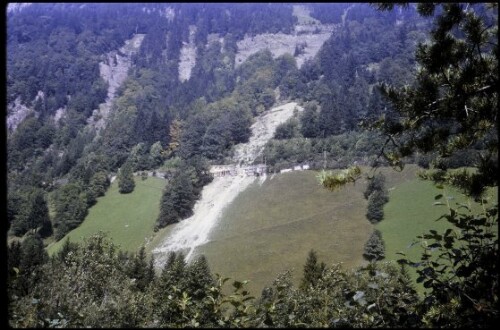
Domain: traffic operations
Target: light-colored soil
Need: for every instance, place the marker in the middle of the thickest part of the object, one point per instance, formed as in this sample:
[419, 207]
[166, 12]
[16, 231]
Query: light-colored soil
[280, 43]
[16, 113]
[187, 235]
[308, 32]
[114, 70]
[187, 58]
[262, 131]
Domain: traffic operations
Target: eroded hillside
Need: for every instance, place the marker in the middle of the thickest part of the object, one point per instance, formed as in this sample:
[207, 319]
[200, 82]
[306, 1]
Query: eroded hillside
[306, 40]
[114, 70]
[217, 195]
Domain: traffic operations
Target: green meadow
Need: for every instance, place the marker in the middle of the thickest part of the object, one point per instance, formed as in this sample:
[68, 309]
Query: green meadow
[271, 227]
[128, 219]
[411, 211]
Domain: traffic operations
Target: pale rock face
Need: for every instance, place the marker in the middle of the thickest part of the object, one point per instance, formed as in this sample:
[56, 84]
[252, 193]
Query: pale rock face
[114, 70]
[309, 33]
[169, 13]
[312, 38]
[60, 113]
[39, 95]
[16, 113]
[187, 58]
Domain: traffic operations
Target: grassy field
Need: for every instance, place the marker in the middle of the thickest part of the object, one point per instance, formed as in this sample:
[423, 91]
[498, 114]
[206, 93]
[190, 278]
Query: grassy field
[127, 218]
[411, 212]
[270, 228]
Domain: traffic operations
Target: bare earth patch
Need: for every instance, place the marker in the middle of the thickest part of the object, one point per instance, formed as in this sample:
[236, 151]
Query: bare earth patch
[187, 235]
[114, 70]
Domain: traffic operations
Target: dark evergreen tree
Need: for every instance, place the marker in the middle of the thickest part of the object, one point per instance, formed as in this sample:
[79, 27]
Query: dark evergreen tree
[177, 200]
[309, 121]
[98, 185]
[375, 183]
[14, 255]
[33, 256]
[150, 273]
[126, 183]
[312, 271]
[199, 277]
[38, 214]
[287, 130]
[453, 101]
[330, 119]
[71, 209]
[375, 209]
[200, 169]
[451, 106]
[374, 248]
[67, 248]
[138, 270]
[169, 288]
[376, 105]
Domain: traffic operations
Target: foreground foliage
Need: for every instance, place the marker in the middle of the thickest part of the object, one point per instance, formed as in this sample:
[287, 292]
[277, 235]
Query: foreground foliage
[95, 284]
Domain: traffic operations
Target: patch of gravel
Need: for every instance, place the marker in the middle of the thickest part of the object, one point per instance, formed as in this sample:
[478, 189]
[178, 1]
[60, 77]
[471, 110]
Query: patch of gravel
[16, 113]
[311, 38]
[309, 34]
[187, 58]
[218, 194]
[114, 70]
[262, 131]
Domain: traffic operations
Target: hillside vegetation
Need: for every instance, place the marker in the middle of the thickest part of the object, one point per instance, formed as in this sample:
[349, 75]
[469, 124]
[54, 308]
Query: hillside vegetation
[390, 87]
[271, 226]
[412, 210]
[128, 219]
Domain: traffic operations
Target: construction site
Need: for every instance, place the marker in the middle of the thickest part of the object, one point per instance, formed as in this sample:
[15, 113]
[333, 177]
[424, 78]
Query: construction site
[233, 170]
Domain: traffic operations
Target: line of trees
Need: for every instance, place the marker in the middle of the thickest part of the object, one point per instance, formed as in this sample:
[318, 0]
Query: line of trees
[377, 195]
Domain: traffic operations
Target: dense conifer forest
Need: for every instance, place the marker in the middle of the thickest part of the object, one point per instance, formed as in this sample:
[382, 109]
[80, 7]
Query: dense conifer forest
[392, 85]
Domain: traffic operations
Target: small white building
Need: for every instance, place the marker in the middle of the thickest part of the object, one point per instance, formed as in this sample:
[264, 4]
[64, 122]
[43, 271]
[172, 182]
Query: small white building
[254, 170]
[223, 170]
[285, 170]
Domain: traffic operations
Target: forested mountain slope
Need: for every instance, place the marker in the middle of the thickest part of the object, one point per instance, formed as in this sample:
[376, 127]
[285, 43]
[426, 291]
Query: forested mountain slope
[60, 59]
[189, 80]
